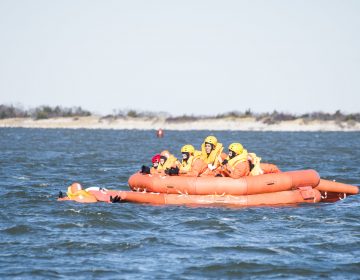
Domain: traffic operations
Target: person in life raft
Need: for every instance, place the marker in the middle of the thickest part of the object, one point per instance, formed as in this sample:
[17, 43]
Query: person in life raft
[211, 161]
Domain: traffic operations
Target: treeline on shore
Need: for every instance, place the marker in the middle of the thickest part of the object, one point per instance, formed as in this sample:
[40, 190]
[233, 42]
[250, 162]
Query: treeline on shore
[46, 112]
[267, 118]
[41, 112]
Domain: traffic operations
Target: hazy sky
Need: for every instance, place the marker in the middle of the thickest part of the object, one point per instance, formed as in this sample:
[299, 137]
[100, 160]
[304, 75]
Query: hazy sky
[201, 57]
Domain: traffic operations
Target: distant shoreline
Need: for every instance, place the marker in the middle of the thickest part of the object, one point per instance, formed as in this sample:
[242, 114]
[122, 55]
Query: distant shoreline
[224, 124]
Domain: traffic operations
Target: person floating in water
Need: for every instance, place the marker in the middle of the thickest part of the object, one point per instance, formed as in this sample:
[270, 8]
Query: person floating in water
[77, 193]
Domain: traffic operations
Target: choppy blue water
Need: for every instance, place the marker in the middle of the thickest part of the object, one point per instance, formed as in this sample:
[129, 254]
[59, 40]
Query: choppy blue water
[41, 238]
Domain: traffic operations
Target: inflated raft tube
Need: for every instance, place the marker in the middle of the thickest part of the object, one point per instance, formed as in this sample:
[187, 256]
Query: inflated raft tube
[266, 183]
[336, 187]
[307, 195]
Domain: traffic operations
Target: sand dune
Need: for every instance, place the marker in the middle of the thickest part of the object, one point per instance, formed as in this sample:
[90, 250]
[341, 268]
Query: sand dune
[240, 124]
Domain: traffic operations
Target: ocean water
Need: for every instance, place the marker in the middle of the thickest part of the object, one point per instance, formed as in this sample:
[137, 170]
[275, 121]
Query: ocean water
[41, 238]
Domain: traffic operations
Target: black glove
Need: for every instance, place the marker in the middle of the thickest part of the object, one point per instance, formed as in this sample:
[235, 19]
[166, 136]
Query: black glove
[218, 175]
[251, 165]
[60, 194]
[174, 171]
[225, 161]
[145, 169]
[167, 170]
[116, 199]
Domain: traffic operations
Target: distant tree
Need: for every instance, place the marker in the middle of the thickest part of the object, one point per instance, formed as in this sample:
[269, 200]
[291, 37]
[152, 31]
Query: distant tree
[45, 112]
[11, 112]
[183, 118]
[248, 113]
[132, 114]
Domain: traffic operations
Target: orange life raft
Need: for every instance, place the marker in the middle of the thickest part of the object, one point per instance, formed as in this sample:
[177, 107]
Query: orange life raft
[303, 186]
[267, 183]
[336, 187]
[302, 195]
[279, 188]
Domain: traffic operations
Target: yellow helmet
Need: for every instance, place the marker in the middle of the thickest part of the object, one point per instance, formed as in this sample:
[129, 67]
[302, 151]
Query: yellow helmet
[211, 140]
[237, 148]
[188, 149]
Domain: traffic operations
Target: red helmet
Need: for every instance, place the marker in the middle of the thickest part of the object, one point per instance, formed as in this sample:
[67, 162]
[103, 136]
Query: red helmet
[155, 158]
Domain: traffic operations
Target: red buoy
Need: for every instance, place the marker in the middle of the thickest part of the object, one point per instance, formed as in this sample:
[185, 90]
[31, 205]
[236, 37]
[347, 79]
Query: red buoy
[160, 133]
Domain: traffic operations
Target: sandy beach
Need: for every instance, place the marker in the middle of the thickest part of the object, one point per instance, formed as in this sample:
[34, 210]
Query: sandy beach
[235, 124]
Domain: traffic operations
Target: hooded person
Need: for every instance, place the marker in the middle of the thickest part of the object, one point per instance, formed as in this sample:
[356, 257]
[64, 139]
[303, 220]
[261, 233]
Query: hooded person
[77, 193]
[191, 165]
[236, 165]
[167, 161]
[155, 164]
[212, 155]
[257, 167]
[240, 163]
